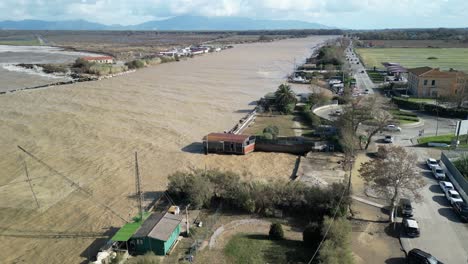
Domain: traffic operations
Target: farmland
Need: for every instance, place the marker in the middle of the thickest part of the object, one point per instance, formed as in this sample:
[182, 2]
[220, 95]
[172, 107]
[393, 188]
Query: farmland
[446, 58]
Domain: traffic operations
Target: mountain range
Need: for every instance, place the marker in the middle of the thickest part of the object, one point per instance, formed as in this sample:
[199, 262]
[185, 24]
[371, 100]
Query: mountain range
[175, 23]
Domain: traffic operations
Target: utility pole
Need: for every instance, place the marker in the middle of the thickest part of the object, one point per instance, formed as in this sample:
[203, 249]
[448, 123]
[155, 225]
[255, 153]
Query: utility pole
[187, 219]
[139, 193]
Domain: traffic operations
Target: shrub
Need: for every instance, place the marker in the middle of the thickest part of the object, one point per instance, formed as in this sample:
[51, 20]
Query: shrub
[135, 64]
[432, 58]
[312, 234]
[272, 130]
[276, 232]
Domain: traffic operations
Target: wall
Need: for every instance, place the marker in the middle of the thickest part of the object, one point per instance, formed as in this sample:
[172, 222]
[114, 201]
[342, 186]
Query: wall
[168, 244]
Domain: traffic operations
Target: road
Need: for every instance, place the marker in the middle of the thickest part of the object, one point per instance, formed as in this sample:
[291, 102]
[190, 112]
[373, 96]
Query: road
[442, 233]
[363, 82]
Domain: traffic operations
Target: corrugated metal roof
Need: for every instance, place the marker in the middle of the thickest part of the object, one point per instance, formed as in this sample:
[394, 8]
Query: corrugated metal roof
[148, 225]
[164, 228]
[226, 137]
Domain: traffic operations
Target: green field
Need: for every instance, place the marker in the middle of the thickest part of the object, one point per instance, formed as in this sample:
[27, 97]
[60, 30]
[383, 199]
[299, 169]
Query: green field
[256, 248]
[447, 58]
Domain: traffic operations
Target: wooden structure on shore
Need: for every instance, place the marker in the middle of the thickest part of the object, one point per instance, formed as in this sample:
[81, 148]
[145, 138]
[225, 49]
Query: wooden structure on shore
[228, 143]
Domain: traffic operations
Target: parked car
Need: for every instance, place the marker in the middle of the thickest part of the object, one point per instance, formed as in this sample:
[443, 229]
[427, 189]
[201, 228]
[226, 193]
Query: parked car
[453, 196]
[417, 256]
[438, 172]
[406, 209]
[388, 139]
[462, 210]
[392, 128]
[410, 226]
[431, 163]
[446, 186]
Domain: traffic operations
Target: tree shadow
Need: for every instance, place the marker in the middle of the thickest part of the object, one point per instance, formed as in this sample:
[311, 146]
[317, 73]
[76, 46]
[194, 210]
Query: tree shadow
[91, 251]
[449, 214]
[296, 167]
[399, 260]
[442, 200]
[194, 148]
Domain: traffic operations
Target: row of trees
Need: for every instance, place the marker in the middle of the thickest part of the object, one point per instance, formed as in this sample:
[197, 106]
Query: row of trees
[414, 34]
[202, 188]
[331, 55]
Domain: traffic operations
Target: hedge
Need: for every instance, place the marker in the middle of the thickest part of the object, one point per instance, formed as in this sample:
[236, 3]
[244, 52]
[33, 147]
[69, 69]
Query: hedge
[431, 109]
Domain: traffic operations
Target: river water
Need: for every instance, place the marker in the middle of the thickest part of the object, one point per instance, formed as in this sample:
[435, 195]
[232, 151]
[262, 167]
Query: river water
[89, 132]
[13, 77]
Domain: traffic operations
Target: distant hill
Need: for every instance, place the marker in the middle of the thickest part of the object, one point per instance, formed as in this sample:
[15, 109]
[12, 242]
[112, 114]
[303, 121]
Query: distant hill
[225, 23]
[51, 25]
[175, 23]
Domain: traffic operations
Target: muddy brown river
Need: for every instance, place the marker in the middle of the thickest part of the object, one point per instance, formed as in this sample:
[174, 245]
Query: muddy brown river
[89, 132]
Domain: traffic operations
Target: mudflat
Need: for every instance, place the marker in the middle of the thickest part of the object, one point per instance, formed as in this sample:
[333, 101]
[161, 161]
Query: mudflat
[90, 131]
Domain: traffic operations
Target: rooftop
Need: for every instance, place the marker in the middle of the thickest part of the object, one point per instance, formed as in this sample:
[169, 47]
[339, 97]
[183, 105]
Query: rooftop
[159, 226]
[226, 137]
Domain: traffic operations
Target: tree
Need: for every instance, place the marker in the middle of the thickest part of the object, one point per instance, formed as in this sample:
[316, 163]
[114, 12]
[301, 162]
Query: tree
[284, 97]
[356, 113]
[380, 120]
[393, 175]
[318, 98]
[336, 248]
[276, 232]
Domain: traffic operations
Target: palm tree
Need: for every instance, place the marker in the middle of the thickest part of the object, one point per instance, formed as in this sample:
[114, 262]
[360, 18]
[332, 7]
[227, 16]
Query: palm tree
[284, 96]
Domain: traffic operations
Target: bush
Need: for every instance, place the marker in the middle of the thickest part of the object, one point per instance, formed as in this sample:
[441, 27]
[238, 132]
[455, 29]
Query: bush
[271, 131]
[276, 232]
[431, 109]
[136, 64]
[312, 234]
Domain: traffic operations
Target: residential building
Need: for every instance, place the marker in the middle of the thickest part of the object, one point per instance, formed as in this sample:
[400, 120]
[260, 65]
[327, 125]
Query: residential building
[432, 82]
[158, 233]
[228, 143]
[100, 59]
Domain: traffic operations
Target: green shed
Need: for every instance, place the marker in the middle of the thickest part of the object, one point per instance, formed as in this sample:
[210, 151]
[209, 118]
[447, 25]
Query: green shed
[158, 233]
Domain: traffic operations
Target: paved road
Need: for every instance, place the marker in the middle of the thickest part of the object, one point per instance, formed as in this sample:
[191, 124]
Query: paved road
[442, 232]
[363, 81]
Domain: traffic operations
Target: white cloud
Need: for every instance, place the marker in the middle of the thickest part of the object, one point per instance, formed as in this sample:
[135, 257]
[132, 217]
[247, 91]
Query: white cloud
[350, 13]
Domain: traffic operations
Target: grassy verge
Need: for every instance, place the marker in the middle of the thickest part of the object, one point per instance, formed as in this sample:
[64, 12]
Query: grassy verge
[375, 76]
[404, 117]
[285, 124]
[256, 248]
[447, 139]
[419, 100]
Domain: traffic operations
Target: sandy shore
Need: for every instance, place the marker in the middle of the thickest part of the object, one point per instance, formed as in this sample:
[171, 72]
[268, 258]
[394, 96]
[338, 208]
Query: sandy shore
[89, 131]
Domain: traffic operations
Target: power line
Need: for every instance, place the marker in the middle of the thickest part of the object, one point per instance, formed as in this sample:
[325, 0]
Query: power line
[73, 184]
[329, 226]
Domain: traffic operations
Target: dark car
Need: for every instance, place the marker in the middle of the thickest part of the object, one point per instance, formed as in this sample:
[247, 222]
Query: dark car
[411, 227]
[417, 256]
[406, 209]
[462, 210]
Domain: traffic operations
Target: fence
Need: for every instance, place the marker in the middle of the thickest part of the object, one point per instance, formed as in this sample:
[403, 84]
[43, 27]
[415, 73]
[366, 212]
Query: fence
[447, 158]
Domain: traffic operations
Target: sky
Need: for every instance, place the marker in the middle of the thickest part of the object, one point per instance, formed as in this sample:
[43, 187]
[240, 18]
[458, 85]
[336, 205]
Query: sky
[350, 14]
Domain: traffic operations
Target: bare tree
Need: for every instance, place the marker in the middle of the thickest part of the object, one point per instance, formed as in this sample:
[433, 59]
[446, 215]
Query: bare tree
[357, 112]
[380, 120]
[393, 175]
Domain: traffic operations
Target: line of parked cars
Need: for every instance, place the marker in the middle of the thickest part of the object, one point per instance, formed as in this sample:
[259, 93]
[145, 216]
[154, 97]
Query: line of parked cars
[454, 197]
